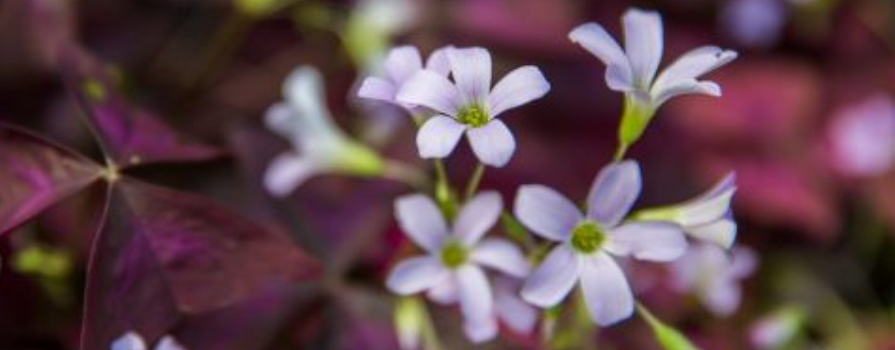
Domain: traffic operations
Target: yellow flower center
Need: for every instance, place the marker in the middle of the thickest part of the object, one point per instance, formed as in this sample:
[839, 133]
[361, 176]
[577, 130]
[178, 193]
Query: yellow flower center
[588, 237]
[474, 116]
[454, 254]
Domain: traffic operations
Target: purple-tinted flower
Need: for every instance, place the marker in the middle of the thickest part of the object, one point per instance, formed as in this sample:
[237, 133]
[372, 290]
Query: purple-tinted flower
[587, 241]
[451, 272]
[777, 329]
[707, 217]
[319, 145]
[400, 65]
[469, 105]
[714, 275]
[632, 70]
[862, 138]
[754, 23]
[133, 341]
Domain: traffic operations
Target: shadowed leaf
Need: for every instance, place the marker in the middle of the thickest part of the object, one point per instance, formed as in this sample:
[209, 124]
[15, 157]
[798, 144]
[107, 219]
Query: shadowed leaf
[131, 135]
[35, 174]
[164, 255]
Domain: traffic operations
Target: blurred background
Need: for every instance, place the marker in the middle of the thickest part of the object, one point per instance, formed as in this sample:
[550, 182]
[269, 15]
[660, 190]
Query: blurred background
[807, 121]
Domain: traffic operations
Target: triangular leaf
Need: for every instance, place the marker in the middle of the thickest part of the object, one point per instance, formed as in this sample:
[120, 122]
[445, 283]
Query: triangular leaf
[35, 174]
[131, 135]
[668, 337]
[165, 254]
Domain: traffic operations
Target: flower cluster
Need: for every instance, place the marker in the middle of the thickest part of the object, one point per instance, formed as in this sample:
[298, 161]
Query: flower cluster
[502, 281]
[133, 341]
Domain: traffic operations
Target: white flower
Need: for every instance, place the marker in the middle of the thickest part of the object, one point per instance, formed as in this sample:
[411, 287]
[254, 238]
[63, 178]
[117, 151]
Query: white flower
[133, 341]
[469, 105]
[714, 275]
[587, 241]
[451, 272]
[632, 70]
[400, 65]
[319, 145]
[862, 137]
[707, 217]
[777, 329]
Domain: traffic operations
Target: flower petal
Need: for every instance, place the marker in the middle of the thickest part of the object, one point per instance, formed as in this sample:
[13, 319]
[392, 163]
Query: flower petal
[438, 61]
[305, 92]
[472, 72]
[445, 293]
[480, 331]
[522, 85]
[501, 255]
[690, 66]
[606, 292]
[288, 171]
[402, 63]
[722, 232]
[518, 315]
[476, 299]
[597, 41]
[168, 343]
[477, 216]
[643, 44]
[722, 296]
[492, 143]
[711, 206]
[553, 279]
[129, 341]
[686, 88]
[613, 193]
[647, 240]
[429, 89]
[422, 221]
[376, 88]
[546, 212]
[744, 263]
[415, 275]
[438, 137]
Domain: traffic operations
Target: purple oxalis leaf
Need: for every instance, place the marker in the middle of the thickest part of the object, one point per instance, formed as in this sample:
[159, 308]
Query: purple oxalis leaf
[35, 174]
[164, 255]
[131, 135]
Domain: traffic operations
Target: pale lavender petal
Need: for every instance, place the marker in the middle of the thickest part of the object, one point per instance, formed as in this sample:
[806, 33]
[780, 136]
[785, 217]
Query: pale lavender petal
[862, 137]
[280, 118]
[376, 88]
[471, 68]
[546, 212]
[476, 299]
[709, 207]
[686, 88]
[501, 255]
[597, 41]
[429, 89]
[647, 240]
[445, 293]
[518, 315]
[493, 143]
[422, 221]
[722, 232]
[745, 261]
[169, 343]
[722, 296]
[480, 331]
[690, 66]
[402, 63]
[553, 279]
[477, 216]
[438, 137]
[613, 193]
[415, 275]
[606, 292]
[643, 44]
[521, 86]
[288, 171]
[129, 341]
[438, 61]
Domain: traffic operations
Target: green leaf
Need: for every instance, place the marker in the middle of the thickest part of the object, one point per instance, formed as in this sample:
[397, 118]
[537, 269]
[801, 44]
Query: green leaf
[668, 337]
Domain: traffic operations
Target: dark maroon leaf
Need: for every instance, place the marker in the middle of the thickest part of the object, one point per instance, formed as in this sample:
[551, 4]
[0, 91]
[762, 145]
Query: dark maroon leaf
[164, 255]
[35, 173]
[131, 135]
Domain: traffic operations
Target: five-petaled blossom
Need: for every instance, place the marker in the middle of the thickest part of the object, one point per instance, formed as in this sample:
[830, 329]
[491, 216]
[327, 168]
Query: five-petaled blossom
[707, 217]
[400, 65]
[714, 275]
[133, 341]
[632, 70]
[319, 145]
[469, 105]
[587, 240]
[451, 272]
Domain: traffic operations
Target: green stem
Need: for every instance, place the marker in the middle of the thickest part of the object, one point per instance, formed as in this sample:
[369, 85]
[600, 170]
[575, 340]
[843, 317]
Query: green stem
[444, 194]
[403, 173]
[620, 152]
[474, 181]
